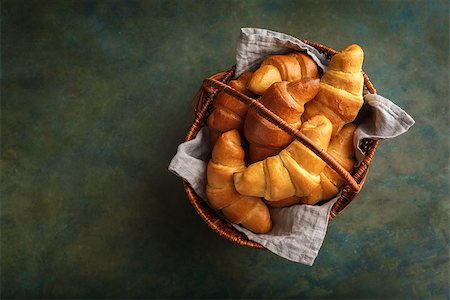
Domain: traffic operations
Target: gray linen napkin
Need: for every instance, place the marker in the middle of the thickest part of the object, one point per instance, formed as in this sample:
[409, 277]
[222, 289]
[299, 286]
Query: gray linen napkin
[298, 231]
[257, 44]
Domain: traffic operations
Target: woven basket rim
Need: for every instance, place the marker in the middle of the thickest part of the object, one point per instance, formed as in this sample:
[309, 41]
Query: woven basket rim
[204, 99]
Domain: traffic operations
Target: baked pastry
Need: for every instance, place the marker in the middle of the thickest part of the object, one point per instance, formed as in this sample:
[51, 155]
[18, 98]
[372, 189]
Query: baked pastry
[227, 159]
[295, 171]
[276, 68]
[341, 149]
[228, 112]
[340, 96]
[287, 100]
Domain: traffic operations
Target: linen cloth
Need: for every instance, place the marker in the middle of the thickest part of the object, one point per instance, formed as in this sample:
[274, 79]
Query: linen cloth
[298, 231]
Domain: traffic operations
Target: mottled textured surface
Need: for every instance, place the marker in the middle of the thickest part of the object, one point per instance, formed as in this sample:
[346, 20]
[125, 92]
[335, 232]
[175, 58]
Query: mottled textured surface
[97, 95]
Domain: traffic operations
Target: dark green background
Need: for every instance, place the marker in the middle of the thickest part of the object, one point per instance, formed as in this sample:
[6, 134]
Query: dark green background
[96, 96]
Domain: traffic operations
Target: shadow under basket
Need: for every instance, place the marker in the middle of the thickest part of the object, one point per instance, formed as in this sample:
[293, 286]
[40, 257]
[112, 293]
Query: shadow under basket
[203, 104]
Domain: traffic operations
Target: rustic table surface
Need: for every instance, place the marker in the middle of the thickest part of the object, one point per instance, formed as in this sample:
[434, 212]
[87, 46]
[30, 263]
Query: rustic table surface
[96, 96]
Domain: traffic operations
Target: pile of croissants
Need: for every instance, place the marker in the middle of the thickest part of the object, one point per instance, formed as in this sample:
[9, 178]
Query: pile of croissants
[277, 170]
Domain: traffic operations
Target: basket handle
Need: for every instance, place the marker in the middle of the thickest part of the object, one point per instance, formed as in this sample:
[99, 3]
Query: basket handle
[276, 120]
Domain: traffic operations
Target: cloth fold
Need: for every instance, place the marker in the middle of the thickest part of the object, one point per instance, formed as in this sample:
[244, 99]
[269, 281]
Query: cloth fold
[257, 44]
[384, 121]
[298, 231]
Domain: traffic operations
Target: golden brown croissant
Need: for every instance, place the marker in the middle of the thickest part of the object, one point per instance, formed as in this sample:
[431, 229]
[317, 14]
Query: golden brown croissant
[341, 149]
[340, 96]
[287, 100]
[229, 113]
[276, 68]
[228, 158]
[293, 172]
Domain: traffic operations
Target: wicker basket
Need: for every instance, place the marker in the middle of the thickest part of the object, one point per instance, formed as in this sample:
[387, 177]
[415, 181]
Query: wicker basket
[203, 103]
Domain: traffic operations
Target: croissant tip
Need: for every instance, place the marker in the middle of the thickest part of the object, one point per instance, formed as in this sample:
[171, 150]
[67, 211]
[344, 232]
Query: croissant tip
[232, 135]
[353, 48]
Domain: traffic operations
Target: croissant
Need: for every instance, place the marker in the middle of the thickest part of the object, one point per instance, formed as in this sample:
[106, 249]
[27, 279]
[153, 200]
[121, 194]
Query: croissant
[295, 171]
[229, 113]
[340, 96]
[228, 158]
[341, 149]
[287, 100]
[293, 66]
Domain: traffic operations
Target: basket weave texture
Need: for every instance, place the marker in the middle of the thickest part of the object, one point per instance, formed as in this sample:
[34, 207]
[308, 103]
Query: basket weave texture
[204, 99]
